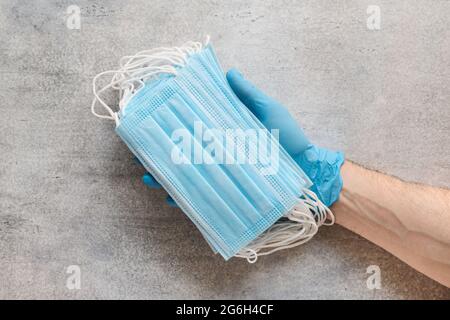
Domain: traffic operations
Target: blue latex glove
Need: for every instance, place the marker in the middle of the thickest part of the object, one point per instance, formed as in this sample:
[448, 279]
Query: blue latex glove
[321, 165]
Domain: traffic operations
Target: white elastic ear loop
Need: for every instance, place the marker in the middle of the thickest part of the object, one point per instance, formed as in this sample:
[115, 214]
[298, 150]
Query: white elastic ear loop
[323, 214]
[299, 229]
[112, 115]
[298, 226]
[207, 38]
[134, 70]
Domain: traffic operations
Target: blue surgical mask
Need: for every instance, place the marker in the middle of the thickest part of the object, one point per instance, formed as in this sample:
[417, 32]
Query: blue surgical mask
[225, 171]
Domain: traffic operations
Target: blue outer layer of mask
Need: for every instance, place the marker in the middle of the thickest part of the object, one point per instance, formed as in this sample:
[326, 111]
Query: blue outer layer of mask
[231, 204]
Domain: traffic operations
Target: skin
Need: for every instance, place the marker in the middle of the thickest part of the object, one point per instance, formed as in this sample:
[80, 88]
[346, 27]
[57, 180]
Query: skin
[410, 221]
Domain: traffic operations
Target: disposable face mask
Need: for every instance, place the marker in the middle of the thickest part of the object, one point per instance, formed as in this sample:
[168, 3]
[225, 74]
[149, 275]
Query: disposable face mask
[222, 167]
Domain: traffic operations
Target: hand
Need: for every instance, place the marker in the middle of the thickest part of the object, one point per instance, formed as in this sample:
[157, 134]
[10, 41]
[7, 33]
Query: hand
[321, 165]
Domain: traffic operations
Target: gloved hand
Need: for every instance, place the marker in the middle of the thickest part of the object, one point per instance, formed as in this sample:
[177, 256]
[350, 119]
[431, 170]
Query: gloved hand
[321, 165]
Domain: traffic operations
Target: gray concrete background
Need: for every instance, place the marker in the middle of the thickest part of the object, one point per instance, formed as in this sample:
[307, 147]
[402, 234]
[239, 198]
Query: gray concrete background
[70, 193]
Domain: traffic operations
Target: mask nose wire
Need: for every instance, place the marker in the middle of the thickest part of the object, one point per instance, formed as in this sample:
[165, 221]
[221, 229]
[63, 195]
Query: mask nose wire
[135, 70]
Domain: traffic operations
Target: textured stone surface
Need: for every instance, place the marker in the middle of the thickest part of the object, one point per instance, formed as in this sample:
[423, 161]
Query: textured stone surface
[70, 193]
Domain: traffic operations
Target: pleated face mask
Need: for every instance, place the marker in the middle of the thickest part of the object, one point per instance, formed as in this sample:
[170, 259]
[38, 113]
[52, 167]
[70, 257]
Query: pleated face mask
[223, 168]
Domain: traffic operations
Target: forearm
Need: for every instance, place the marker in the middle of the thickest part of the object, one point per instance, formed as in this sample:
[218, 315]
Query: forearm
[409, 220]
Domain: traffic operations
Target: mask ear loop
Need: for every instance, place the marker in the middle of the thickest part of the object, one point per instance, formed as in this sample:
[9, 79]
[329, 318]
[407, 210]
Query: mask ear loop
[297, 227]
[136, 69]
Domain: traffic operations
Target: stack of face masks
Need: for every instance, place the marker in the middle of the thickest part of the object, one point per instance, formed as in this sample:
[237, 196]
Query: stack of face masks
[227, 173]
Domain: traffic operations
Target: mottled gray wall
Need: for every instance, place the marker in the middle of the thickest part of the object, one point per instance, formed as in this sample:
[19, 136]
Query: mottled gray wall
[71, 194]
